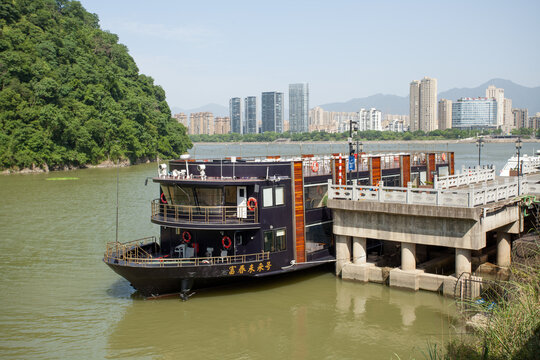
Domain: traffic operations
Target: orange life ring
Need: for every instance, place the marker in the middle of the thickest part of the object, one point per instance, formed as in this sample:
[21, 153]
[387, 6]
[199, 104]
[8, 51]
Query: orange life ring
[186, 236]
[163, 200]
[315, 166]
[226, 242]
[443, 156]
[252, 203]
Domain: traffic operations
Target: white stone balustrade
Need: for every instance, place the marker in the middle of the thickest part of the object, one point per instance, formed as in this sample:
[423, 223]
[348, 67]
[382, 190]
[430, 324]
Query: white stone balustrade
[471, 197]
[465, 177]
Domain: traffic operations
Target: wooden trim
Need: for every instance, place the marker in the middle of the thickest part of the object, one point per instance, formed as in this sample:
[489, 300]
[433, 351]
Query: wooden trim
[430, 167]
[451, 157]
[405, 165]
[300, 242]
[375, 170]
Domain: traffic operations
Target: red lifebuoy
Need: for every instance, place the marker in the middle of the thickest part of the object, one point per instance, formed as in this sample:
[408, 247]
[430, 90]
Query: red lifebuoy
[226, 242]
[186, 236]
[163, 200]
[252, 203]
[443, 156]
[315, 166]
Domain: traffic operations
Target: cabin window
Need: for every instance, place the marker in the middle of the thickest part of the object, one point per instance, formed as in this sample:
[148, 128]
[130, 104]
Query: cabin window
[268, 197]
[209, 196]
[280, 195]
[178, 195]
[318, 236]
[315, 196]
[275, 240]
[230, 195]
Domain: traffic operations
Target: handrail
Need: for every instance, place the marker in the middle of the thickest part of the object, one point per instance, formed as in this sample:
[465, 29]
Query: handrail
[204, 214]
[128, 254]
[466, 177]
[470, 197]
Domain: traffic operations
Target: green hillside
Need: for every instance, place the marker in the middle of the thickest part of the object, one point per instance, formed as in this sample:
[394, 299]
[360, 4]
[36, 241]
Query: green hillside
[70, 94]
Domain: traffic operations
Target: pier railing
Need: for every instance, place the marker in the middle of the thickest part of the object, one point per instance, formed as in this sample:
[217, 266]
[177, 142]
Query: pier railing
[471, 197]
[204, 214]
[465, 177]
[132, 254]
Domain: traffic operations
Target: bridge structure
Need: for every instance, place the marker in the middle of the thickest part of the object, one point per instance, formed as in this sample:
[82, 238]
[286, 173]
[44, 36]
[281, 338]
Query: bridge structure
[441, 232]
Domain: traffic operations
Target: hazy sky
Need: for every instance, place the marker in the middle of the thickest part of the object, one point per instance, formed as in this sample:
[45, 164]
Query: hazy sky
[204, 52]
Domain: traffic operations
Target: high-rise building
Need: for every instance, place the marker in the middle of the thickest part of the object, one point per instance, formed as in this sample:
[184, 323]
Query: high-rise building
[299, 107]
[369, 119]
[235, 114]
[423, 104]
[534, 121]
[414, 105]
[250, 115]
[493, 92]
[521, 118]
[272, 111]
[508, 120]
[445, 114]
[222, 125]
[428, 104]
[182, 119]
[477, 113]
[201, 123]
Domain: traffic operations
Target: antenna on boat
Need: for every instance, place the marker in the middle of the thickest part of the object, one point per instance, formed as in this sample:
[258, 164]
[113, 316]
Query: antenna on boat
[117, 176]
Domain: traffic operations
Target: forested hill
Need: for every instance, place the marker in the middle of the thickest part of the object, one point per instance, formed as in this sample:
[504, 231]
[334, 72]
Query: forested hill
[70, 94]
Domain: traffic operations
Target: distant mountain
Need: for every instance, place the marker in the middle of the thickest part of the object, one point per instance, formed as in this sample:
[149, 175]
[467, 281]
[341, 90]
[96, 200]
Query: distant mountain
[522, 97]
[388, 104]
[216, 109]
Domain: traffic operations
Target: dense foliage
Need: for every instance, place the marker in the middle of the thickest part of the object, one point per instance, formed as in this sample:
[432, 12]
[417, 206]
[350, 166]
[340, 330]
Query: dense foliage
[448, 134]
[70, 94]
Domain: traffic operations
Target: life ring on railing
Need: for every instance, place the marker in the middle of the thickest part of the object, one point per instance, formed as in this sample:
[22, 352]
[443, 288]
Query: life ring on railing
[226, 242]
[163, 200]
[443, 156]
[315, 166]
[252, 204]
[186, 236]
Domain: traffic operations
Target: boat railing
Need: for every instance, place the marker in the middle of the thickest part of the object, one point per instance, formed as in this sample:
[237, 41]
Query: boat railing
[118, 250]
[116, 253]
[204, 214]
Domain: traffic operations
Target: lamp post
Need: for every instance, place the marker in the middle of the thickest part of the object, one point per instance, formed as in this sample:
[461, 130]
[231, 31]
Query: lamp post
[359, 150]
[479, 144]
[351, 122]
[518, 148]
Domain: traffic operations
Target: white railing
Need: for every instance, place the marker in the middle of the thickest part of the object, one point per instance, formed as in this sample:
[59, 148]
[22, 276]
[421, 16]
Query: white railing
[424, 196]
[465, 177]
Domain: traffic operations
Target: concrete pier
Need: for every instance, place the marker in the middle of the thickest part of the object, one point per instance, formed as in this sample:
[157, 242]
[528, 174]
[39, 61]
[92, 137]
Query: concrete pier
[503, 248]
[408, 256]
[359, 250]
[463, 261]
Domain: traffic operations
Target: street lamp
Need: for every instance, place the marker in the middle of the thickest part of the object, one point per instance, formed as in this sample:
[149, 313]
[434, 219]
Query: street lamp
[518, 147]
[479, 144]
[351, 122]
[359, 150]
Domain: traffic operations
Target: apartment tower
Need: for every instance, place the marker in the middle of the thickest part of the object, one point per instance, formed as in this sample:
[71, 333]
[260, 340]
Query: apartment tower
[299, 107]
[272, 111]
[235, 114]
[423, 104]
[445, 114]
[250, 115]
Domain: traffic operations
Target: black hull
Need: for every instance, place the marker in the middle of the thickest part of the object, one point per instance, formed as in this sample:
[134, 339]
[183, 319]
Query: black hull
[158, 281]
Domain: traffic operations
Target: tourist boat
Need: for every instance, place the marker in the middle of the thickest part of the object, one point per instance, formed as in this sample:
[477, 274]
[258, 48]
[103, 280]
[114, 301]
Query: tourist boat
[529, 164]
[230, 219]
[224, 220]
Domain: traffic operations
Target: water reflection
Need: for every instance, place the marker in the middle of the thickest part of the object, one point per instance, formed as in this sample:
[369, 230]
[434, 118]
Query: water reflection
[312, 315]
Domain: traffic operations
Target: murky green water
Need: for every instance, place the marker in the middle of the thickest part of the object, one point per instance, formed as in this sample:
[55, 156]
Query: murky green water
[59, 300]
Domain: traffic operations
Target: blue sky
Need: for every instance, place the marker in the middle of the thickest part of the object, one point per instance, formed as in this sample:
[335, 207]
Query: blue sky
[204, 52]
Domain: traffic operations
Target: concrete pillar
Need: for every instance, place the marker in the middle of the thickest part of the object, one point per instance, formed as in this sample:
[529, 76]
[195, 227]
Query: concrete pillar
[408, 256]
[359, 250]
[343, 252]
[463, 261]
[503, 248]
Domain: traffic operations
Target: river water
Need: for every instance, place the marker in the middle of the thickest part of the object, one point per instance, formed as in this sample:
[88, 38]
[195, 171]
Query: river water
[59, 300]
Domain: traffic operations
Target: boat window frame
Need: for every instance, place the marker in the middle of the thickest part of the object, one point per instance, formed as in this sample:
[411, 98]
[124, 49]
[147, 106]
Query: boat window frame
[274, 243]
[274, 203]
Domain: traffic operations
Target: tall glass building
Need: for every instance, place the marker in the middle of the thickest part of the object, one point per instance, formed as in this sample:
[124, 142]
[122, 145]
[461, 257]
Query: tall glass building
[469, 113]
[235, 113]
[272, 111]
[299, 107]
[250, 115]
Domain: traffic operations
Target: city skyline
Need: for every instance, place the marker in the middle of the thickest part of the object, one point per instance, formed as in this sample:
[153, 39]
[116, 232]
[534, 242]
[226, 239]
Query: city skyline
[190, 48]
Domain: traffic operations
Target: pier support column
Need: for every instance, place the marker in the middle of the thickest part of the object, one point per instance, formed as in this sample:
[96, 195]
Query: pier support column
[463, 261]
[359, 250]
[408, 256]
[503, 248]
[343, 252]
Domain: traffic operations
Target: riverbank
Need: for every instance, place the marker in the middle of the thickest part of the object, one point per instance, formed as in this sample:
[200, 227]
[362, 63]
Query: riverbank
[45, 168]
